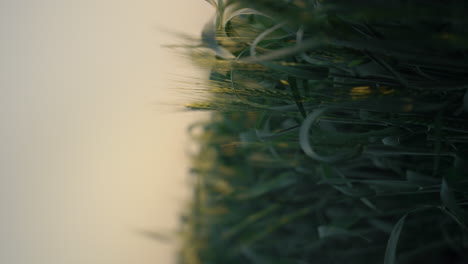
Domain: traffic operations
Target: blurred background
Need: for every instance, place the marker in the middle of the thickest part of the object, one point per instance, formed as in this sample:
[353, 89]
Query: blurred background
[89, 156]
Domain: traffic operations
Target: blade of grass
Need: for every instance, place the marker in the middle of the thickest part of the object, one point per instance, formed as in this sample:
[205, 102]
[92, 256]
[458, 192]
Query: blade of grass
[392, 244]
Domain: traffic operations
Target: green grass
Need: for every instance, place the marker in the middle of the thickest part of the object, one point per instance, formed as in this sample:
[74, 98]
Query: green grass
[340, 134]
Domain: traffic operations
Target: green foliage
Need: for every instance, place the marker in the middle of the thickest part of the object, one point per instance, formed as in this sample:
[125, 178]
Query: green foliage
[341, 134]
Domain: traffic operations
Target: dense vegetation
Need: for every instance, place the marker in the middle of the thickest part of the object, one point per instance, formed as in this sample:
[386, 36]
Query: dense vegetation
[340, 134]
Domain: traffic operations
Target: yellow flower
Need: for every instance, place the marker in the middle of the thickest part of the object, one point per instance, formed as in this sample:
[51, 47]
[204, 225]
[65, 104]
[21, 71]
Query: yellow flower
[386, 90]
[361, 90]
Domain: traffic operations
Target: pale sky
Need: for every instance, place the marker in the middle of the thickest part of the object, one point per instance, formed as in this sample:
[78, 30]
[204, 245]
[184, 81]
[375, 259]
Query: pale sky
[87, 157]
